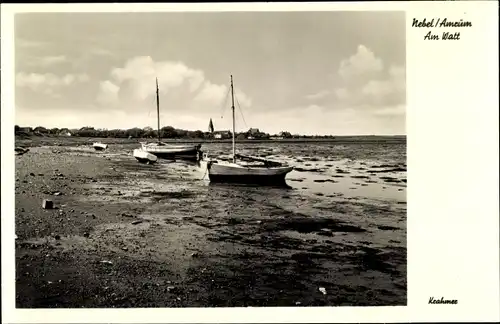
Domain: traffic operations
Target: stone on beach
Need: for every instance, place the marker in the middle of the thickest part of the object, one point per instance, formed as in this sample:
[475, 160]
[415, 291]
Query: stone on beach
[47, 204]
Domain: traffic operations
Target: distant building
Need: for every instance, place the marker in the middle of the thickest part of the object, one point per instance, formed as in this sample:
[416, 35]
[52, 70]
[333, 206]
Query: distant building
[222, 134]
[285, 134]
[25, 129]
[253, 131]
[40, 130]
[64, 132]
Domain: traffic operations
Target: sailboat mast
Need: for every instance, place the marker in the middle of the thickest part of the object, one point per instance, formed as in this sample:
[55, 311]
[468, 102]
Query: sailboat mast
[232, 107]
[158, 109]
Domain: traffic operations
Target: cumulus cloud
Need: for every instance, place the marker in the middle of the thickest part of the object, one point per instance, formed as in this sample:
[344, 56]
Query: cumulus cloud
[362, 62]
[48, 83]
[29, 43]
[180, 86]
[51, 60]
[367, 85]
[108, 92]
[398, 110]
[342, 93]
[318, 95]
[44, 61]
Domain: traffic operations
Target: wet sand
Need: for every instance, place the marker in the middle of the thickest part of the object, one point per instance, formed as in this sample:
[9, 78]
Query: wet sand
[124, 234]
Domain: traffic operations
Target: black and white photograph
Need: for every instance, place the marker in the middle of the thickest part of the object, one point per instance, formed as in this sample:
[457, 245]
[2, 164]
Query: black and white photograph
[234, 158]
[210, 159]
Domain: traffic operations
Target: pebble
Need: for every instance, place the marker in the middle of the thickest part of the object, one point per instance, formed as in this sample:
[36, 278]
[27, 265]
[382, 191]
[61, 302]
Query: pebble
[47, 204]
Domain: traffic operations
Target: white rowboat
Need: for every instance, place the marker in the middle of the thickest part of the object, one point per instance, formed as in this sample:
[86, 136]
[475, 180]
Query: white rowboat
[169, 151]
[100, 146]
[144, 157]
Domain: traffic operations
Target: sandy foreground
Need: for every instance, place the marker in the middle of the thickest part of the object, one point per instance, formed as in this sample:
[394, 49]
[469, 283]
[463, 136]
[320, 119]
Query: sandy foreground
[123, 234]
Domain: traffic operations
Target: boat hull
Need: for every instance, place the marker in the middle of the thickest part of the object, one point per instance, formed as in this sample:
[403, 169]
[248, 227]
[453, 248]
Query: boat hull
[233, 173]
[100, 146]
[144, 157]
[188, 152]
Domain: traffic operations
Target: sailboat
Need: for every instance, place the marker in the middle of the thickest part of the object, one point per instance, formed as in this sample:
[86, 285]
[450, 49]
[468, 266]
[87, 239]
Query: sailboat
[249, 170]
[169, 151]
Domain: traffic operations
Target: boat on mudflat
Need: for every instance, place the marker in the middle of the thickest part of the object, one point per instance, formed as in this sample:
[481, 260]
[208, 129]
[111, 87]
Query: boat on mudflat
[144, 157]
[251, 173]
[246, 169]
[170, 151]
[100, 146]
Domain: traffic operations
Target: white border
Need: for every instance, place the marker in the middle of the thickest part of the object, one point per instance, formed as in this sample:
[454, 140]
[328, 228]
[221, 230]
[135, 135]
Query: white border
[453, 214]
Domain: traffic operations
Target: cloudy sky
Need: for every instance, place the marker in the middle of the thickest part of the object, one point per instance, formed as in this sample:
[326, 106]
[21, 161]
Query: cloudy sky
[340, 73]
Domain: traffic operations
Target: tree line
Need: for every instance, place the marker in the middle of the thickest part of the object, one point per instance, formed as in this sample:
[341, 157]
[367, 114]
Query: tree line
[147, 132]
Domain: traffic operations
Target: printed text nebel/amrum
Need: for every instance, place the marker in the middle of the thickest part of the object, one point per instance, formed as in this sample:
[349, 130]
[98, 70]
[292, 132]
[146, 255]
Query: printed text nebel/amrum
[437, 22]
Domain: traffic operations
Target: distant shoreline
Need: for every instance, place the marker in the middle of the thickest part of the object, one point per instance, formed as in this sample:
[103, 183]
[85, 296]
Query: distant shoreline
[70, 140]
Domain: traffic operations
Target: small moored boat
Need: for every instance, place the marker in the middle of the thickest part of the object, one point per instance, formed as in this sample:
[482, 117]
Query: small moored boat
[169, 151]
[100, 146]
[252, 171]
[144, 157]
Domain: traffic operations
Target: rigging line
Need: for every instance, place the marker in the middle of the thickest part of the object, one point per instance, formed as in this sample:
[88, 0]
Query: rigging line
[241, 111]
[225, 102]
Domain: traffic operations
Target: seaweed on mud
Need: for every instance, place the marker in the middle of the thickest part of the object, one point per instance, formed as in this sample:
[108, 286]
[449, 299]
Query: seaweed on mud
[398, 169]
[342, 171]
[308, 170]
[384, 166]
[360, 177]
[265, 241]
[325, 180]
[335, 207]
[387, 228]
[371, 181]
[262, 280]
[234, 221]
[376, 210]
[274, 242]
[390, 179]
[373, 259]
[161, 195]
[307, 258]
[309, 225]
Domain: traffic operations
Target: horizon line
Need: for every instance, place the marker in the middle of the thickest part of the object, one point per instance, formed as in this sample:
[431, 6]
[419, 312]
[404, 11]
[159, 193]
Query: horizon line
[225, 130]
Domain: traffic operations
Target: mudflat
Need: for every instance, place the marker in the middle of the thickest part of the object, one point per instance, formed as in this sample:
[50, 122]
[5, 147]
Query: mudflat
[124, 234]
